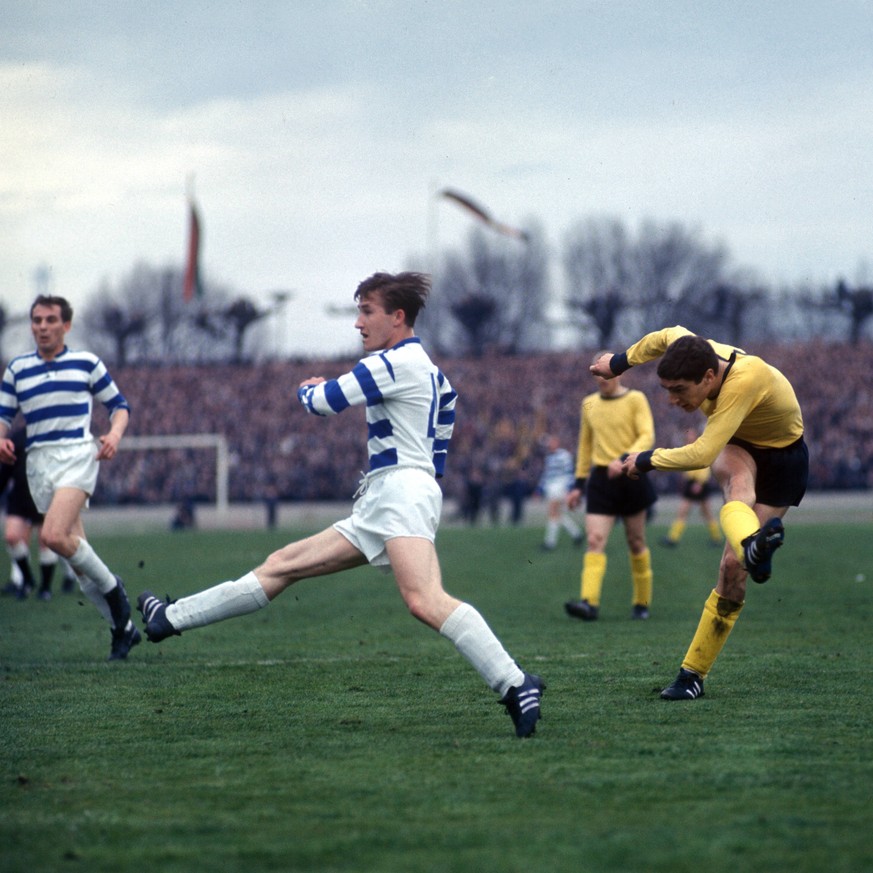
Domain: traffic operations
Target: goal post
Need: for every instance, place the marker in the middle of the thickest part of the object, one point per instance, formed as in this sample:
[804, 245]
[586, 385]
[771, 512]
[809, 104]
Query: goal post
[215, 441]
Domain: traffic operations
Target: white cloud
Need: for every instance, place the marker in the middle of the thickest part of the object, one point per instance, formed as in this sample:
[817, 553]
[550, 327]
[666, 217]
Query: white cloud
[312, 172]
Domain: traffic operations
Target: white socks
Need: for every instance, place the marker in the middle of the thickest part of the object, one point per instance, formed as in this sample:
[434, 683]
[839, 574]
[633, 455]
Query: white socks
[476, 642]
[86, 562]
[95, 595]
[226, 600]
[551, 537]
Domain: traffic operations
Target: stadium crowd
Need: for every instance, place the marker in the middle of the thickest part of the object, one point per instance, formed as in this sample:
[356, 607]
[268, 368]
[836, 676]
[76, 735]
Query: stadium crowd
[506, 405]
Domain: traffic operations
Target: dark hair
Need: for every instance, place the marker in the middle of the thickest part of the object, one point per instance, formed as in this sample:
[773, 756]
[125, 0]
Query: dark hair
[406, 291]
[688, 357]
[52, 300]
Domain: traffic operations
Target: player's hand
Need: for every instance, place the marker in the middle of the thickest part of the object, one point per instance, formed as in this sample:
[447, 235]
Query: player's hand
[574, 498]
[629, 466]
[7, 451]
[108, 446]
[314, 380]
[615, 469]
[601, 367]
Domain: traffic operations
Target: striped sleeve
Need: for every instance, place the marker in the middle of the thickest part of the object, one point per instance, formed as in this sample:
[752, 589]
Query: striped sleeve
[8, 397]
[105, 390]
[445, 424]
[362, 385]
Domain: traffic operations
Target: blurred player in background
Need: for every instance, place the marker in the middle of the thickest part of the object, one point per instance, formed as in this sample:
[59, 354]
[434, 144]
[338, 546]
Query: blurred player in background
[53, 387]
[753, 440]
[696, 491]
[615, 420]
[410, 413]
[555, 484]
[22, 518]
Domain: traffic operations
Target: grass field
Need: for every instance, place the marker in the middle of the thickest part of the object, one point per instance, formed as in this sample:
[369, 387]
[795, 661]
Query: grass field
[331, 732]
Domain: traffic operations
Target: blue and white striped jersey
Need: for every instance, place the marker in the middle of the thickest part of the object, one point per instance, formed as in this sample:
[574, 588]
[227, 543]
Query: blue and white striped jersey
[55, 396]
[410, 406]
[558, 467]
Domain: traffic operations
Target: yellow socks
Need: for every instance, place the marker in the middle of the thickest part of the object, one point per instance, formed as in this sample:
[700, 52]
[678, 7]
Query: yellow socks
[714, 531]
[716, 623]
[676, 531]
[593, 571]
[641, 574]
[738, 521]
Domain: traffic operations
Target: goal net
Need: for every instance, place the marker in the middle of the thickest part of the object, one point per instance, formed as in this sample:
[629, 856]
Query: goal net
[207, 441]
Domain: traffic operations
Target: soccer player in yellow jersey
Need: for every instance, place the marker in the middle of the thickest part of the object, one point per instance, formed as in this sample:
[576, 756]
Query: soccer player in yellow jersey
[615, 420]
[753, 440]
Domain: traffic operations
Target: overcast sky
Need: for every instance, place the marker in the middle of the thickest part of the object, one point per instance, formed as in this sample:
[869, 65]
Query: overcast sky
[317, 132]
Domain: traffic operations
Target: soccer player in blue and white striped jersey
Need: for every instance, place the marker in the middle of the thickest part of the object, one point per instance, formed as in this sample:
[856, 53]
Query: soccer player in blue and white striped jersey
[555, 483]
[410, 413]
[53, 388]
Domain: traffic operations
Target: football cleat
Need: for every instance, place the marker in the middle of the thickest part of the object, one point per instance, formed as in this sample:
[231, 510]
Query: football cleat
[154, 614]
[640, 612]
[582, 609]
[759, 547]
[123, 641]
[686, 686]
[523, 704]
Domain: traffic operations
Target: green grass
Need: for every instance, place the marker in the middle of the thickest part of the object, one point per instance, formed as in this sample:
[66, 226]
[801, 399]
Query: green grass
[331, 732]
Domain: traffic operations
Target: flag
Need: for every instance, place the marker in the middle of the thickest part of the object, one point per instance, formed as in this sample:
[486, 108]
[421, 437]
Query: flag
[483, 215]
[192, 286]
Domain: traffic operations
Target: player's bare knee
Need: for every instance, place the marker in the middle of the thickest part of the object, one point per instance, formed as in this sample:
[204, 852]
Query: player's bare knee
[57, 540]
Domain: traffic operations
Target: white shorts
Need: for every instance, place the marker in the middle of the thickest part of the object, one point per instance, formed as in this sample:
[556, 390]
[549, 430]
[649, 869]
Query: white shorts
[400, 502]
[555, 490]
[64, 466]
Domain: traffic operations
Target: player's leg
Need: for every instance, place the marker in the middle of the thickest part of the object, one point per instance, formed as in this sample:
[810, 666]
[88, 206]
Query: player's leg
[318, 555]
[48, 562]
[598, 527]
[640, 562]
[712, 526]
[17, 532]
[751, 532]
[720, 614]
[63, 533]
[677, 528]
[568, 522]
[553, 523]
[417, 572]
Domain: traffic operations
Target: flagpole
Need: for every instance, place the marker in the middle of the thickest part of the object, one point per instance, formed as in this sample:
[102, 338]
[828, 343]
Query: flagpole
[432, 229]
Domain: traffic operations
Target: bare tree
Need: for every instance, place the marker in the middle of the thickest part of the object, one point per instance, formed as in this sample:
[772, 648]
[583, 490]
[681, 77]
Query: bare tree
[144, 318]
[857, 303]
[619, 285]
[240, 315]
[495, 292]
[599, 268]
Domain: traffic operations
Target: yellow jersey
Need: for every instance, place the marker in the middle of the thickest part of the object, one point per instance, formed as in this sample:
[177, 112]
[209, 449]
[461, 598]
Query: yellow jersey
[755, 403]
[611, 427]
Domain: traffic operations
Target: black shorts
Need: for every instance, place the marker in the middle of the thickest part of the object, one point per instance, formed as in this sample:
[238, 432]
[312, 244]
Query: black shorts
[696, 491]
[621, 496]
[782, 473]
[20, 504]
